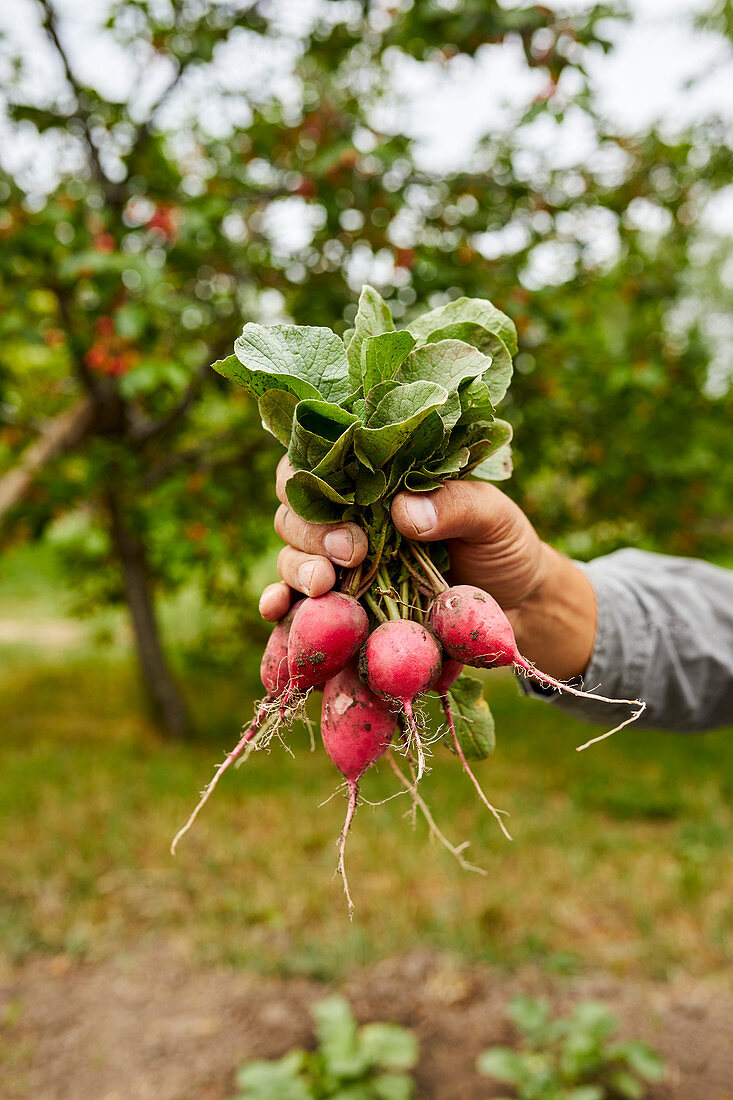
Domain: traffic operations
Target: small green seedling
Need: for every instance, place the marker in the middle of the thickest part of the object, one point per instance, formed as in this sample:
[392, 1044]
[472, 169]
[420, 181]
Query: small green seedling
[372, 1062]
[571, 1057]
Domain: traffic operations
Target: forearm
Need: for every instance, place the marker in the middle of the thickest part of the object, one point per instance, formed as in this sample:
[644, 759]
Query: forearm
[664, 633]
[555, 626]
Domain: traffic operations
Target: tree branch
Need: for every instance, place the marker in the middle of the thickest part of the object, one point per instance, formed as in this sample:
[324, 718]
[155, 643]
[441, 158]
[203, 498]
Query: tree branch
[144, 129]
[64, 432]
[150, 429]
[145, 430]
[50, 25]
[203, 458]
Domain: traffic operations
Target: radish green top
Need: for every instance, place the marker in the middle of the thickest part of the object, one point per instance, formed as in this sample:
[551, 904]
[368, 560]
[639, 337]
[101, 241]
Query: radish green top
[381, 410]
[384, 408]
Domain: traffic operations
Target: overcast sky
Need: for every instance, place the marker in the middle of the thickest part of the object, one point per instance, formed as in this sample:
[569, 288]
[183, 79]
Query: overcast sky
[645, 79]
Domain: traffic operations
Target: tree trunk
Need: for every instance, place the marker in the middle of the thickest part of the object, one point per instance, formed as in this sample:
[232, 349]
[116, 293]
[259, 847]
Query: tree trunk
[162, 689]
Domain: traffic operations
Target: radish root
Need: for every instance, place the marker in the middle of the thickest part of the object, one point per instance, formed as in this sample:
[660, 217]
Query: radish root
[461, 756]
[247, 737]
[353, 786]
[417, 800]
[529, 670]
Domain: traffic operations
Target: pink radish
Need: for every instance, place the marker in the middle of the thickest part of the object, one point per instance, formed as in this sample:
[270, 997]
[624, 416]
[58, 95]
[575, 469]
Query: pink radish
[326, 633]
[357, 729]
[472, 628]
[274, 666]
[400, 661]
[274, 676]
[449, 673]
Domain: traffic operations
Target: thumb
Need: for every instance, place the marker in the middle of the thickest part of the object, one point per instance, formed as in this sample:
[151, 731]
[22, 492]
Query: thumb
[469, 510]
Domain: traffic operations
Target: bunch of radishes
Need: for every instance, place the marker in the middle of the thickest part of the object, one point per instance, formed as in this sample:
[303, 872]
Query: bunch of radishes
[363, 418]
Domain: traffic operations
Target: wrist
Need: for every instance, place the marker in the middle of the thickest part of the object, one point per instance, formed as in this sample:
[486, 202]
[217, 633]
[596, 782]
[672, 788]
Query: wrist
[555, 625]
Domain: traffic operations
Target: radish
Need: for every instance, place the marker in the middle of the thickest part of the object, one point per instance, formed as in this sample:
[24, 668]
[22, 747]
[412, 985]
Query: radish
[310, 644]
[357, 729]
[375, 413]
[326, 633]
[472, 628]
[449, 673]
[400, 661]
[274, 666]
[274, 676]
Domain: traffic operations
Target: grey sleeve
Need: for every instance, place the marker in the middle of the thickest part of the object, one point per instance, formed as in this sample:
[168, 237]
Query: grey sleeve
[665, 635]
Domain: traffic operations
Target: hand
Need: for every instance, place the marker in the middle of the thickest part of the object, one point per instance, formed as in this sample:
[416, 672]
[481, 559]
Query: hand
[548, 600]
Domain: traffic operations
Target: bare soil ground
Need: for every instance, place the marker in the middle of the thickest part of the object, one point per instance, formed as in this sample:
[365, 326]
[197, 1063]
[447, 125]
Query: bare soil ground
[150, 1025]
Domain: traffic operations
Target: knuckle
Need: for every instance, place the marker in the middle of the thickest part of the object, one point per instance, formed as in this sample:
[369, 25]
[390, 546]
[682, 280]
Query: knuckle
[284, 561]
[281, 518]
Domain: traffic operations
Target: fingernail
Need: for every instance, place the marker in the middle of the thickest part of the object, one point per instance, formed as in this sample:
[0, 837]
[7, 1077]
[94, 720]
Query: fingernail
[421, 513]
[305, 575]
[339, 545]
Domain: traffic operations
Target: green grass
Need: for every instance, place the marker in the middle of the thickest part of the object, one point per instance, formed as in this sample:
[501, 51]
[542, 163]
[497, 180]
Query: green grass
[621, 857]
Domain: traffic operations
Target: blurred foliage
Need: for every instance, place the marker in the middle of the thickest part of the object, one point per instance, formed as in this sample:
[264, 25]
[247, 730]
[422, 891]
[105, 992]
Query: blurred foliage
[162, 232]
[571, 1057]
[371, 1062]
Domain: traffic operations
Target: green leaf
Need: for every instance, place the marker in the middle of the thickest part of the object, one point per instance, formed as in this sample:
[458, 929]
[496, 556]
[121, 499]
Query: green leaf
[407, 402]
[594, 1020]
[324, 418]
[280, 1080]
[334, 461]
[370, 486]
[502, 1063]
[425, 441]
[476, 402]
[307, 361]
[586, 1092]
[392, 1086]
[316, 500]
[498, 373]
[382, 355]
[626, 1085]
[530, 1014]
[478, 310]
[388, 1046]
[318, 427]
[451, 463]
[372, 319]
[496, 468]
[473, 721]
[396, 416]
[418, 482]
[640, 1058]
[490, 438]
[339, 1039]
[470, 332]
[277, 408]
[435, 473]
[375, 395]
[335, 1026]
[448, 363]
[450, 413]
[335, 1087]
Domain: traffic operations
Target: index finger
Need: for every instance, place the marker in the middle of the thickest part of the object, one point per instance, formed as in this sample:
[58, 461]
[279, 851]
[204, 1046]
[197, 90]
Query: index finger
[283, 473]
